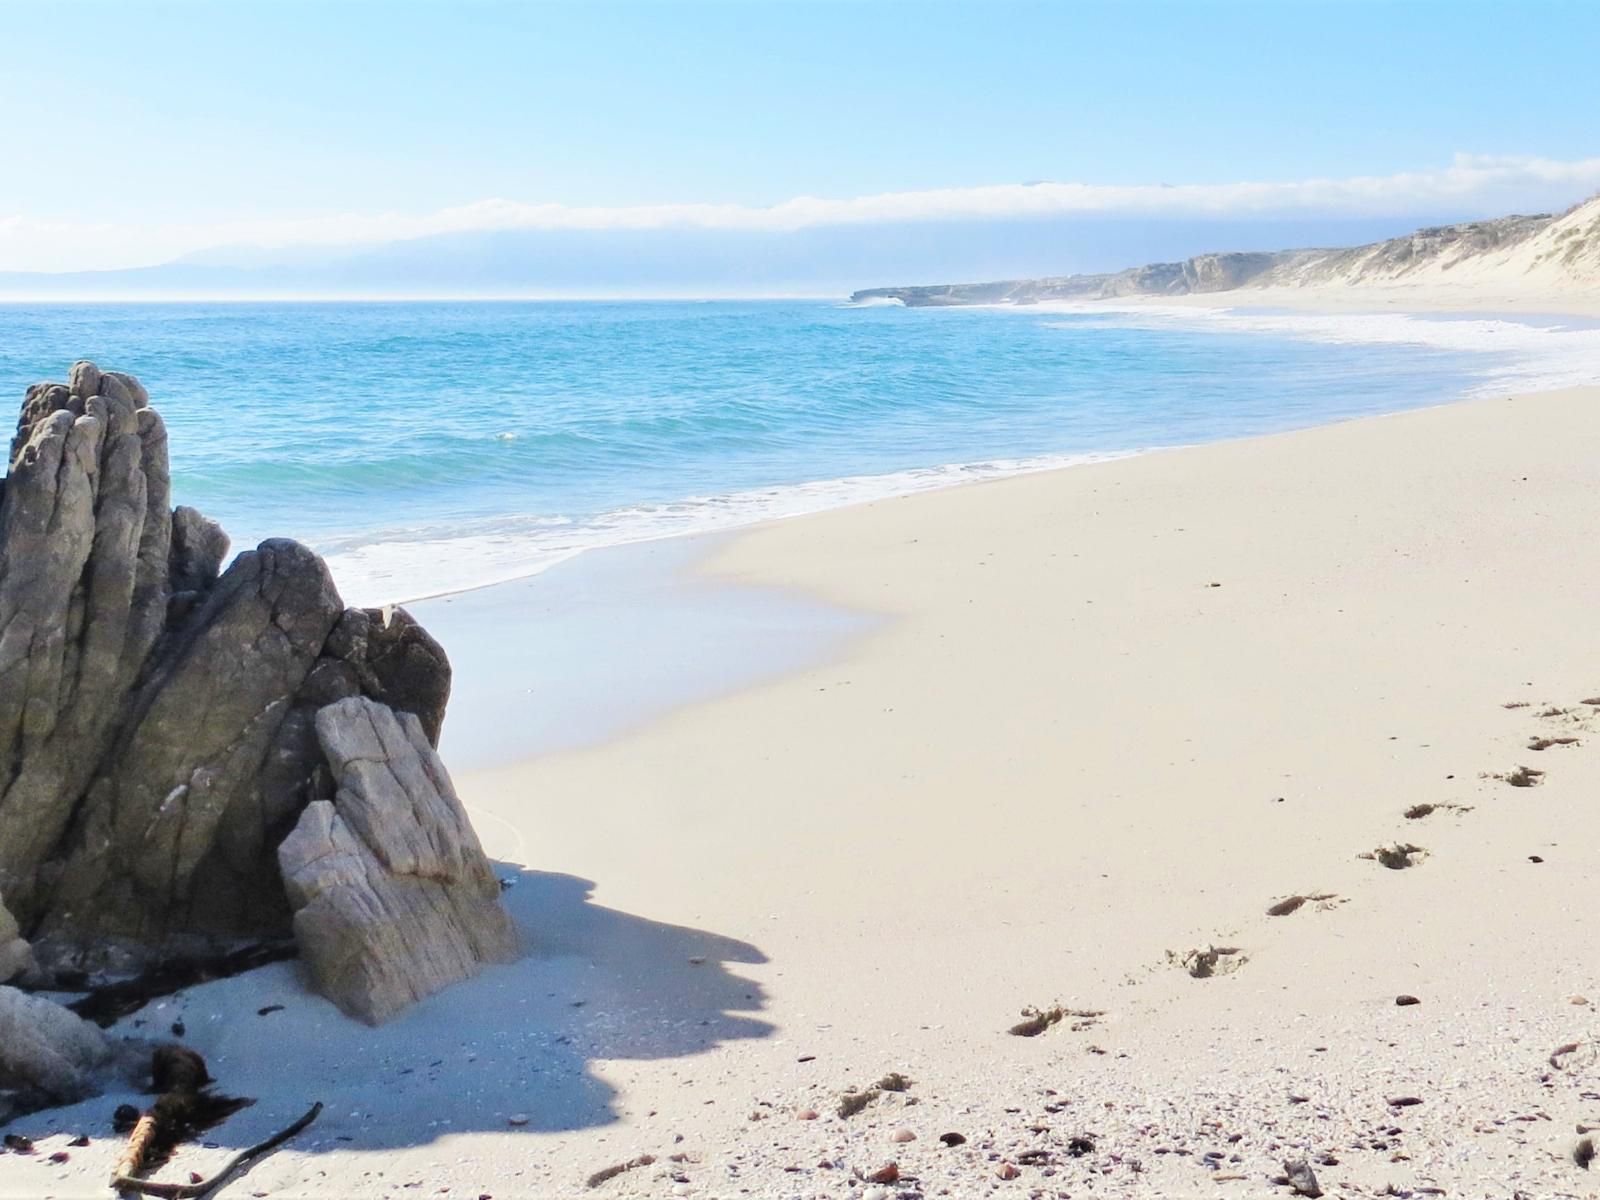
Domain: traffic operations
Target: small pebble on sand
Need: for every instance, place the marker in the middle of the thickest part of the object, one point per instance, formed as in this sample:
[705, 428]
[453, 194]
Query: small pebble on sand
[904, 1135]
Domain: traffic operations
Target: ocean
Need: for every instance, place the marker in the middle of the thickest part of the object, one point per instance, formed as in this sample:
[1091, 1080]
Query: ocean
[433, 446]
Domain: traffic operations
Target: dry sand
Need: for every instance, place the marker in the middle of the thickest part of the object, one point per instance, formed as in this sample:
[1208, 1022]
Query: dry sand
[1115, 712]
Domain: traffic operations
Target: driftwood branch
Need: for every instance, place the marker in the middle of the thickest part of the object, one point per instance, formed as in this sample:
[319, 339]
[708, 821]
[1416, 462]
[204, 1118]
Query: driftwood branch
[191, 1191]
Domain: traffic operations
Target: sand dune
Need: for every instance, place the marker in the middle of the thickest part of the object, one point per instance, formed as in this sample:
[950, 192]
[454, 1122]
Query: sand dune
[1550, 263]
[1560, 254]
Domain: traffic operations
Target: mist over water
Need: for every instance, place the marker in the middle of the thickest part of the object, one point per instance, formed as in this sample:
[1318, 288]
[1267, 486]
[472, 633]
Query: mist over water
[431, 446]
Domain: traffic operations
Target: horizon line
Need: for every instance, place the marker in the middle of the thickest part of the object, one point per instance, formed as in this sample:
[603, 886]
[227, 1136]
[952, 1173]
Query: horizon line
[326, 298]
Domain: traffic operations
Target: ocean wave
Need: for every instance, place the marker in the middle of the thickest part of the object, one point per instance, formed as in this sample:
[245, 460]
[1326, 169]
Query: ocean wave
[486, 442]
[412, 565]
[874, 302]
[1518, 355]
[409, 564]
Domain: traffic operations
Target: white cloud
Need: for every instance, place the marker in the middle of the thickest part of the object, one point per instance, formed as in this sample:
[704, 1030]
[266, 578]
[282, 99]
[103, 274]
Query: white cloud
[1470, 183]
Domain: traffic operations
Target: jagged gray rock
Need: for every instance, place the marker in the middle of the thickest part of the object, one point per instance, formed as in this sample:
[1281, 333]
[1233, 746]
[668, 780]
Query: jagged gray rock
[186, 768]
[47, 1053]
[84, 535]
[157, 714]
[198, 547]
[393, 896]
[396, 661]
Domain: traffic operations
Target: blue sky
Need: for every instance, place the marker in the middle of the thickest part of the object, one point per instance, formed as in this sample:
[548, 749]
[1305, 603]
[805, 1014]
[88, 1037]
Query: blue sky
[132, 132]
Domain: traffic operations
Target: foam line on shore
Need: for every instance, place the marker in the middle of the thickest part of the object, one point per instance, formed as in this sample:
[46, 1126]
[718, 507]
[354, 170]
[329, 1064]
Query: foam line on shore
[1519, 354]
[401, 571]
[1516, 354]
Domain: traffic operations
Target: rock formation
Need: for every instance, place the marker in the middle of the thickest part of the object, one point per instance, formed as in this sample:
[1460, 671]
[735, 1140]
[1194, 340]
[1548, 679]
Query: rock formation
[159, 716]
[393, 897]
[47, 1054]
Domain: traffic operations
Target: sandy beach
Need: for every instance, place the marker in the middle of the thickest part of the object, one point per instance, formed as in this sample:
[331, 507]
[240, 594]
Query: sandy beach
[798, 601]
[1103, 718]
[1493, 297]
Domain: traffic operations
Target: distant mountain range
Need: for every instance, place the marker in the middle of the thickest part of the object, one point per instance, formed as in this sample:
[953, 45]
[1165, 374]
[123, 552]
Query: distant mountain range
[1505, 255]
[677, 261]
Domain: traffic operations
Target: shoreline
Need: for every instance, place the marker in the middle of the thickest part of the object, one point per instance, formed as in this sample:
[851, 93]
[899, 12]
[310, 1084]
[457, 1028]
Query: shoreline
[1533, 363]
[1421, 299]
[923, 480]
[610, 640]
[655, 589]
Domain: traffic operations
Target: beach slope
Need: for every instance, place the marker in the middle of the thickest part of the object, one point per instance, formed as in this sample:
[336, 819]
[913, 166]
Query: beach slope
[1115, 715]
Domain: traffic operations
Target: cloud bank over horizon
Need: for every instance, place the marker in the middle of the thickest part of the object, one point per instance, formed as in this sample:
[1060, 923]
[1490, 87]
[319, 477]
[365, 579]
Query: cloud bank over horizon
[1470, 186]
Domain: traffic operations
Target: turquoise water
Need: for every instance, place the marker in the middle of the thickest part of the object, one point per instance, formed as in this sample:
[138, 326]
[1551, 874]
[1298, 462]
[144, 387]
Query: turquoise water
[431, 446]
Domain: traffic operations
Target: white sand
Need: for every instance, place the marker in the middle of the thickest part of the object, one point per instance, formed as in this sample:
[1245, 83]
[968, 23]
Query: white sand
[1117, 712]
[1398, 297]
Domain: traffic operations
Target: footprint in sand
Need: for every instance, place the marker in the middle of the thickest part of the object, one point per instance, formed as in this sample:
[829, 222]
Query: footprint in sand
[1211, 961]
[1292, 904]
[1417, 811]
[1580, 715]
[1544, 743]
[1397, 857]
[1521, 777]
[1036, 1020]
[853, 1101]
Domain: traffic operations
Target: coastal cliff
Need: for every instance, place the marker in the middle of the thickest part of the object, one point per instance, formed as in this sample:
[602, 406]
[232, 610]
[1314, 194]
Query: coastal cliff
[1512, 253]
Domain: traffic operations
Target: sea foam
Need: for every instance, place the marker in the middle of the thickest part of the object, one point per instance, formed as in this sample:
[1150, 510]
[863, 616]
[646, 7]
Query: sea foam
[400, 569]
[1518, 354]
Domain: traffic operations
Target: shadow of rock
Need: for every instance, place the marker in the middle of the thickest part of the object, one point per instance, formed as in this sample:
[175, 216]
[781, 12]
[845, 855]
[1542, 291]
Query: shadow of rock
[517, 1042]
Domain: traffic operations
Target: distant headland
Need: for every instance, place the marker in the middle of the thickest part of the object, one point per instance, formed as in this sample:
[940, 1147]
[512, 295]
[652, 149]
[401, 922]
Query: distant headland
[1506, 255]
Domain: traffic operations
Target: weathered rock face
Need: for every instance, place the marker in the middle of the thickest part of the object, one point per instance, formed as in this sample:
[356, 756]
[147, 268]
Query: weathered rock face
[185, 769]
[395, 661]
[47, 1054]
[158, 718]
[84, 541]
[393, 896]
